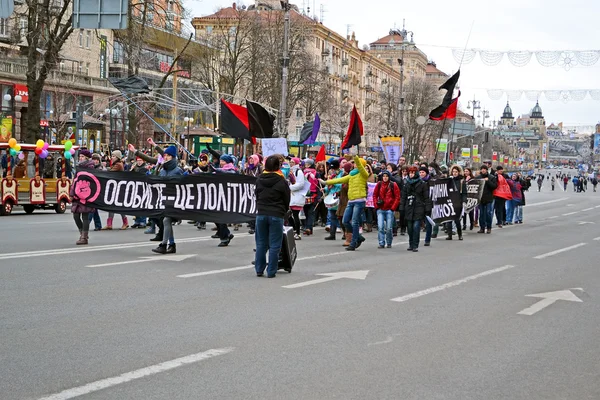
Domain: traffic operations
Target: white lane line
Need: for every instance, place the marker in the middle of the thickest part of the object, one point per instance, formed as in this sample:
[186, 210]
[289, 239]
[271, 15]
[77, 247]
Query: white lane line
[545, 202]
[571, 213]
[554, 216]
[597, 207]
[137, 374]
[588, 209]
[597, 239]
[555, 252]
[450, 284]
[72, 250]
[222, 271]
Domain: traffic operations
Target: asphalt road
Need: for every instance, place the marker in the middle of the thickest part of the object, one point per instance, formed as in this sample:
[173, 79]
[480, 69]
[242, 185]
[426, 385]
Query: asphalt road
[453, 321]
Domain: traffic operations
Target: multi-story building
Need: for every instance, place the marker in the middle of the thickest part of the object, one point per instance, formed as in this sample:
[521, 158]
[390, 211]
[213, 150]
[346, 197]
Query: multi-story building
[396, 46]
[434, 75]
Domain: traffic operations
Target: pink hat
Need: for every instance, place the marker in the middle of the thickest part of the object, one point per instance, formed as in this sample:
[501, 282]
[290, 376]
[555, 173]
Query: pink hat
[296, 160]
[255, 159]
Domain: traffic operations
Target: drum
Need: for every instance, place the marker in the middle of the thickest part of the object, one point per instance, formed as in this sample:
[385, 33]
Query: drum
[331, 200]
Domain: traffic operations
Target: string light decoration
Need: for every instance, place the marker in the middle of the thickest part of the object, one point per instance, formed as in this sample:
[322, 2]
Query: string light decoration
[566, 59]
[551, 95]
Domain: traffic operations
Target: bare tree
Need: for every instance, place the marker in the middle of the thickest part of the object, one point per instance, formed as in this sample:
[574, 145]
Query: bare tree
[48, 27]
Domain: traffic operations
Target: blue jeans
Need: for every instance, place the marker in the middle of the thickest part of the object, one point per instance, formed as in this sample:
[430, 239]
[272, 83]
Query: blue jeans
[309, 213]
[352, 219]
[486, 215]
[168, 231]
[519, 213]
[429, 230]
[332, 220]
[268, 236]
[385, 224]
[140, 220]
[96, 218]
[414, 233]
[511, 207]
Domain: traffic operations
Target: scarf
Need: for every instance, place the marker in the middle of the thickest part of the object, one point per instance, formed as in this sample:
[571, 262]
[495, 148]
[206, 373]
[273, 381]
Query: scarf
[413, 180]
[278, 172]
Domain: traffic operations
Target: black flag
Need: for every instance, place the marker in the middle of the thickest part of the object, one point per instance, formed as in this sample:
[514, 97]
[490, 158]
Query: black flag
[260, 121]
[438, 112]
[130, 85]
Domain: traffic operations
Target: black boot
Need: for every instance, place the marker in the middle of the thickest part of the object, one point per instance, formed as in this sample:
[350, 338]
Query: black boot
[161, 249]
[157, 238]
[172, 249]
[331, 235]
[449, 236]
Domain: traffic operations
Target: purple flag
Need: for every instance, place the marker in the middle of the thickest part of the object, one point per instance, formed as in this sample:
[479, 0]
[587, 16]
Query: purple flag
[310, 131]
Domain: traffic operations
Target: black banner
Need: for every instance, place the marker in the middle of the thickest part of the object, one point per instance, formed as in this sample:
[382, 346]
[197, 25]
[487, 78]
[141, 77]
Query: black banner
[474, 193]
[447, 202]
[223, 198]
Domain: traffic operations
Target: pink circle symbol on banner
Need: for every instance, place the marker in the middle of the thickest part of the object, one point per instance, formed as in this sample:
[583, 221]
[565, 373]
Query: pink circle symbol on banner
[83, 189]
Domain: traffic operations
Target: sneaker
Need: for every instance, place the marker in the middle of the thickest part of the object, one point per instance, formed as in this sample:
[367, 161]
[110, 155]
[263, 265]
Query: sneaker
[150, 231]
[389, 246]
[338, 230]
[381, 246]
[297, 237]
[427, 244]
[251, 232]
[215, 236]
[350, 248]
[415, 250]
[327, 228]
[161, 249]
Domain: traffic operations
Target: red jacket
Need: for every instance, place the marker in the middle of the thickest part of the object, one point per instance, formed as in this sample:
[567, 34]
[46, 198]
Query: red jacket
[390, 194]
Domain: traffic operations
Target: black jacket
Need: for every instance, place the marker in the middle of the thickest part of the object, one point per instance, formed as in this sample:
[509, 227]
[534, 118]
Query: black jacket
[416, 202]
[488, 190]
[272, 195]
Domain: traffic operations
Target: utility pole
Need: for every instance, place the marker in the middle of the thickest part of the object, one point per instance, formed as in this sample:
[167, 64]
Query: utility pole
[284, 75]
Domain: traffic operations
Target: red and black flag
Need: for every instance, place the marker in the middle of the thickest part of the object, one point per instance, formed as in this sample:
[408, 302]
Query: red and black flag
[260, 120]
[447, 110]
[355, 131]
[234, 120]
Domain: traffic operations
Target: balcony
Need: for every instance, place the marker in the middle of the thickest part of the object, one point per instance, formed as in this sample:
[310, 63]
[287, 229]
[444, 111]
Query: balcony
[345, 61]
[368, 88]
[325, 52]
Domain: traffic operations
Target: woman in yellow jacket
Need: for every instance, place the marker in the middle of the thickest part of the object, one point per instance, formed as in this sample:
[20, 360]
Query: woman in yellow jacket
[357, 198]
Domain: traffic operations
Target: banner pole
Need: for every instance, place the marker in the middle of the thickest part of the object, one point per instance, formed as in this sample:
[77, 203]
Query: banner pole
[439, 140]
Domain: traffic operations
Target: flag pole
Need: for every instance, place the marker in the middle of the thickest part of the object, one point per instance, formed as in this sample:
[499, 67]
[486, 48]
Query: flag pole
[439, 140]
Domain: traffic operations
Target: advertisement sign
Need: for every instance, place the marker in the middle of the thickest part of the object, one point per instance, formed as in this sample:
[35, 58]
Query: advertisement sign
[477, 159]
[442, 145]
[103, 39]
[475, 150]
[21, 90]
[6, 126]
[495, 156]
[596, 143]
[505, 159]
[544, 151]
[466, 152]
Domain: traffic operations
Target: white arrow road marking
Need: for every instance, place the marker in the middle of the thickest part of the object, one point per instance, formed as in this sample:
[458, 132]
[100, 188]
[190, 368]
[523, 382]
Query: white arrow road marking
[555, 252]
[360, 275]
[137, 374]
[450, 284]
[175, 257]
[548, 299]
[585, 223]
[222, 271]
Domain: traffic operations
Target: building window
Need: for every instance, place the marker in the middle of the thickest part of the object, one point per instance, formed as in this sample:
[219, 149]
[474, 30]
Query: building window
[80, 39]
[23, 25]
[298, 130]
[209, 30]
[299, 113]
[87, 69]
[80, 67]
[3, 27]
[88, 39]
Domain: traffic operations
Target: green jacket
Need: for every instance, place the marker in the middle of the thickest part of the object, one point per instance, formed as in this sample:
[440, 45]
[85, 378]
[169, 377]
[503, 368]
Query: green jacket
[357, 182]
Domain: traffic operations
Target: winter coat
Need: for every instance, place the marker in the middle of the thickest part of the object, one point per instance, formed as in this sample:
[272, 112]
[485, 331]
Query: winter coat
[343, 201]
[389, 193]
[488, 189]
[117, 166]
[139, 169]
[298, 193]
[460, 185]
[272, 195]
[356, 180]
[516, 190]
[416, 203]
[170, 168]
[77, 207]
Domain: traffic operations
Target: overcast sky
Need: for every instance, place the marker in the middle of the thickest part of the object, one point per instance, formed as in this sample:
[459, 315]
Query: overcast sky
[503, 25]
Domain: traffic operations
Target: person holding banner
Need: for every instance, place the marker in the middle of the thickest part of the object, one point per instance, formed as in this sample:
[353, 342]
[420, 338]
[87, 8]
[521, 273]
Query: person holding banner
[169, 168]
[502, 194]
[272, 202]
[456, 174]
[415, 204]
[80, 211]
[116, 166]
[486, 207]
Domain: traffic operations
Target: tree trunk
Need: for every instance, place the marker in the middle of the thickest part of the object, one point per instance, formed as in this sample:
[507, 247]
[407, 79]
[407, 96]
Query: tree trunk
[32, 117]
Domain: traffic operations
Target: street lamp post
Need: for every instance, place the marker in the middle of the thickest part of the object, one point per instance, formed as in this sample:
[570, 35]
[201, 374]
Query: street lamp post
[188, 121]
[403, 33]
[112, 113]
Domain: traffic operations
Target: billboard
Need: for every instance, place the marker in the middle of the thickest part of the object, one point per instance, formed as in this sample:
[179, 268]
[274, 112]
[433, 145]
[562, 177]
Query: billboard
[567, 148]
[596, 143]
